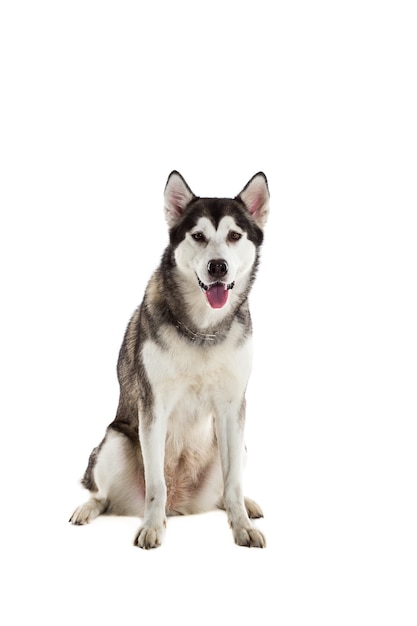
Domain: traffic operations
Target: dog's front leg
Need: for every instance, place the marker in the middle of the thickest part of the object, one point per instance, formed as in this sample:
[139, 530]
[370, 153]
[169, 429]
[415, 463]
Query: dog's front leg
[230, 422]
[152, 432]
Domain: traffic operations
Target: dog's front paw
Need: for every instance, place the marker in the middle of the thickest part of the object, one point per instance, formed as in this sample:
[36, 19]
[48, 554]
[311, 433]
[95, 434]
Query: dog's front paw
[250, 537]
[149, 537]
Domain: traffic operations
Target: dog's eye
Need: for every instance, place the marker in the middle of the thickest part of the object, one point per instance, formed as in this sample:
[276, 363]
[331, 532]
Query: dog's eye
[198, 237]
[234, 236]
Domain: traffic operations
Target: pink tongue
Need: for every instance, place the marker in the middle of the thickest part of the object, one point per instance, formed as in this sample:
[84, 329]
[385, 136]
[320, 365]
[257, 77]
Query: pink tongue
[217, 296]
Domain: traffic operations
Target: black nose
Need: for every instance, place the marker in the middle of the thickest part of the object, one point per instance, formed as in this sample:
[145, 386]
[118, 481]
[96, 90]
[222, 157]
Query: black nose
[217, 268]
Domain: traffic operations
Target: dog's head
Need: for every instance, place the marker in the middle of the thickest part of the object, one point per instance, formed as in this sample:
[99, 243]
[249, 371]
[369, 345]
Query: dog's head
[216, 240]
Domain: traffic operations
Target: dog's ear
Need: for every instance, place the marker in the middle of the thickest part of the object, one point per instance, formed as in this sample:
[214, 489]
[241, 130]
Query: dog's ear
[255, 196]
[177, 196]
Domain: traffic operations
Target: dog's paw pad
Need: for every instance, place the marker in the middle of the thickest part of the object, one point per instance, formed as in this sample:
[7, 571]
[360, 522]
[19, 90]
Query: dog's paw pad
[149, 537]
[249, 537]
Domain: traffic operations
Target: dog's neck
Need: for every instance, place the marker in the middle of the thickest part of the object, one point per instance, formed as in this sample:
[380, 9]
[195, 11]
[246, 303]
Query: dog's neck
[196, 335]
[218, 332]
[191, 333]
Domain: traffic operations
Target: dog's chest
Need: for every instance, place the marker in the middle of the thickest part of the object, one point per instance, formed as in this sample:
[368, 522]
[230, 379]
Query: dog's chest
[192, 375]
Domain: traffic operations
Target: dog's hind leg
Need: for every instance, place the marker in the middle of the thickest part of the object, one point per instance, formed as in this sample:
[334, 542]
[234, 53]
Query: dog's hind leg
[253, 509]
[87, 512]
[114, 479]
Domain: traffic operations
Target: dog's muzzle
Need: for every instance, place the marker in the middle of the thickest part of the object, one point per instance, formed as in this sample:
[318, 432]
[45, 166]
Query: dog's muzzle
[217, 268]
[217, 292]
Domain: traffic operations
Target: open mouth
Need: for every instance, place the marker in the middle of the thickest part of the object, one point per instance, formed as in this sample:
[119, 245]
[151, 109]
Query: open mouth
[216, 293]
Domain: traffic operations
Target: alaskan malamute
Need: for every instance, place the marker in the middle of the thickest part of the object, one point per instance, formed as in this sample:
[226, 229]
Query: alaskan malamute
[176, 445]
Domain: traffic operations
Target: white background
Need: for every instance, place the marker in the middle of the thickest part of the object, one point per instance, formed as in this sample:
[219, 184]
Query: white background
[99, 102]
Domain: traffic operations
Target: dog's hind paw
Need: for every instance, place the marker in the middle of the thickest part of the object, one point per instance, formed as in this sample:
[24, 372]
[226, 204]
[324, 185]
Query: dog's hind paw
[149, 537]
[253, 509]
[87, 512]
[249, 537]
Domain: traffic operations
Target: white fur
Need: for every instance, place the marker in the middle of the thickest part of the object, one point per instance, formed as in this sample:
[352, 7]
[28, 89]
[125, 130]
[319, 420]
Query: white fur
[192, 260]
[117, 480]
[190, 389]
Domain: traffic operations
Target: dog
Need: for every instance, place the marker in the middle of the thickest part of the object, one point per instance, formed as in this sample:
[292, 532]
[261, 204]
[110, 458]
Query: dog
[176, 445]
